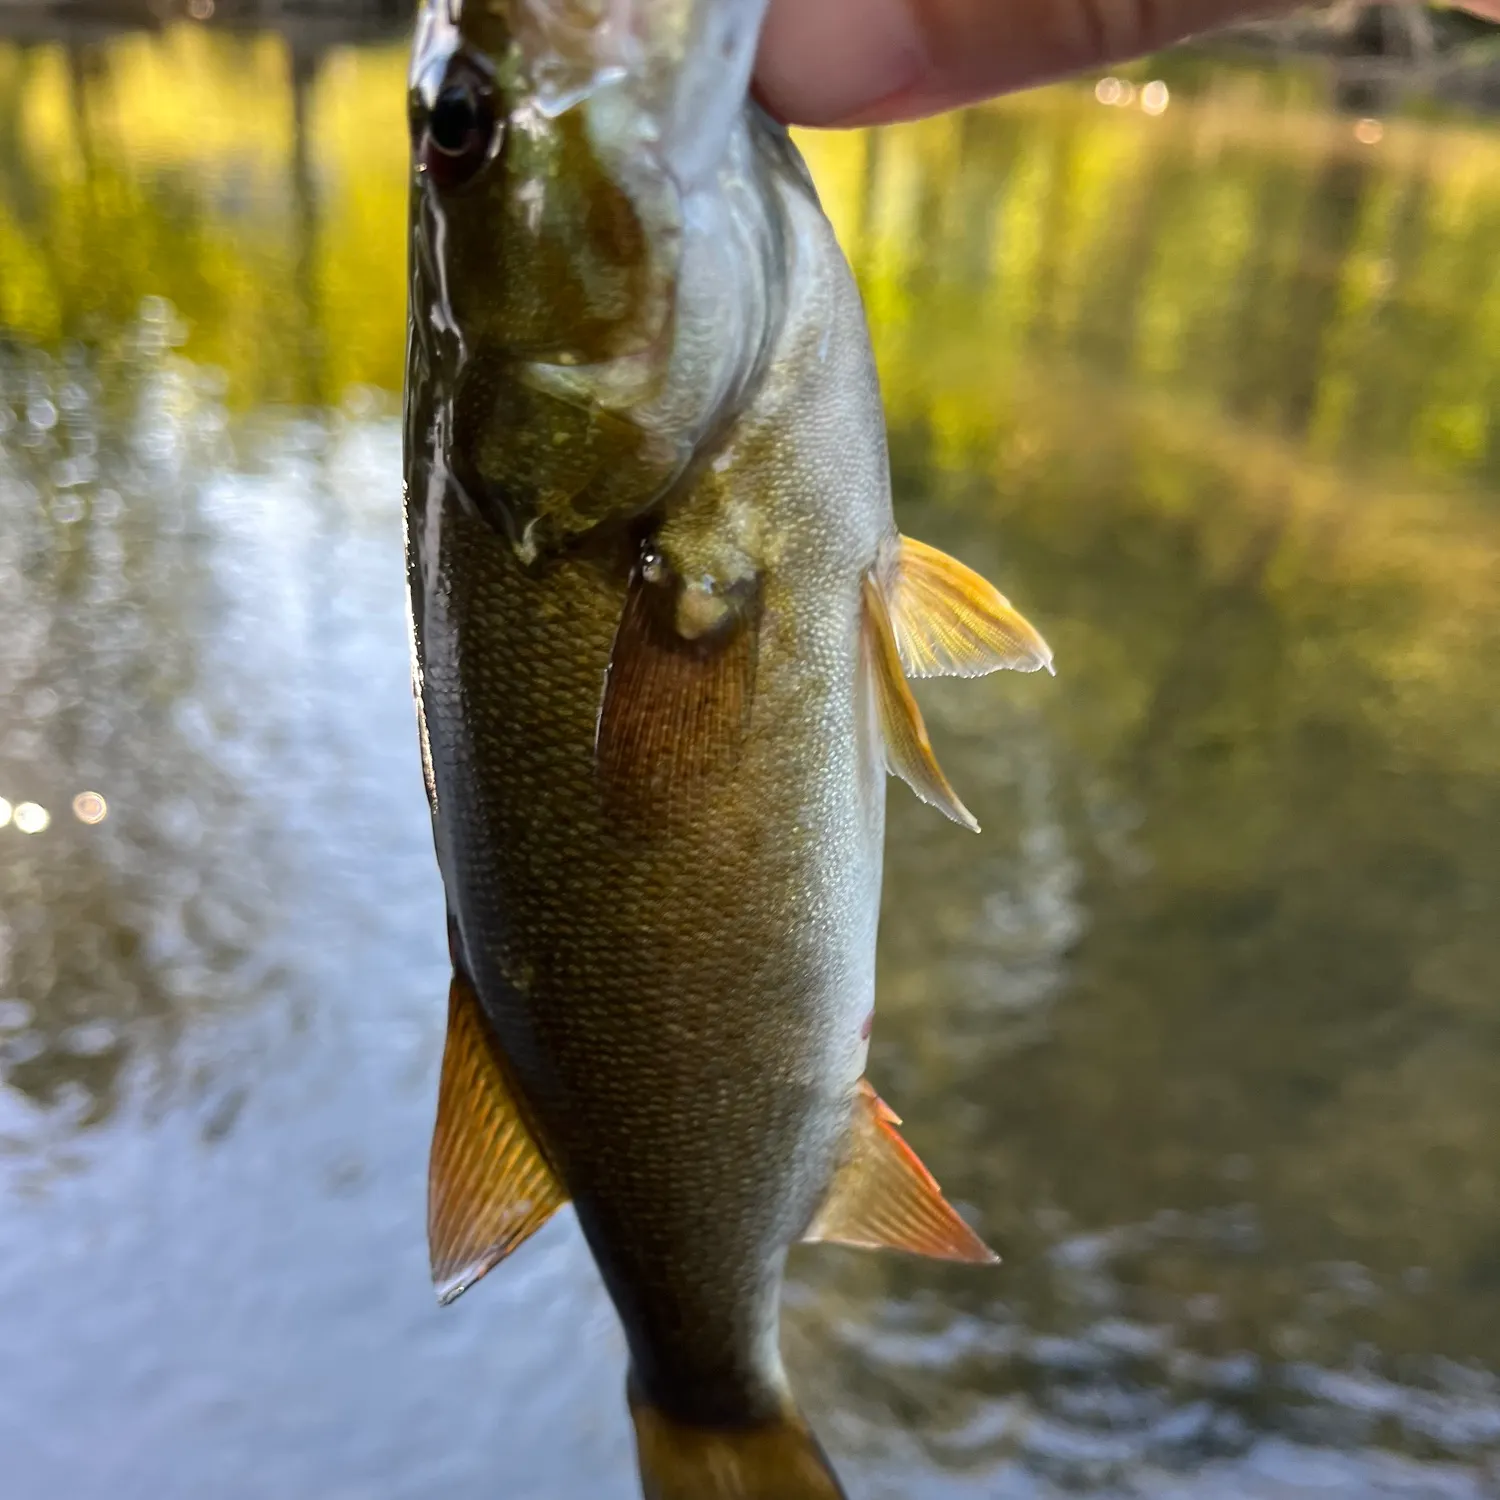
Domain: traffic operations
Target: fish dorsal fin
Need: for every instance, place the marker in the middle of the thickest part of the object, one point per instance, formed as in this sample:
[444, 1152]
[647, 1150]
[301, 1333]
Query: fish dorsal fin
[950, 622]
[908, 751]
[883, 1197]
[675, 708]
[488, 1185]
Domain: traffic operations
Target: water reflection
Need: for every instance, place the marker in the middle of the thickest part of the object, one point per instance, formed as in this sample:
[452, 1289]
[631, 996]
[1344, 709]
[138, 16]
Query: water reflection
[98, 577]
[1202, 1029]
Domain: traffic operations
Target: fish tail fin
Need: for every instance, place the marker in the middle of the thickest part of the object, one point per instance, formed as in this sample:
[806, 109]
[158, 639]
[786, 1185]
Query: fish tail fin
[775, 1460]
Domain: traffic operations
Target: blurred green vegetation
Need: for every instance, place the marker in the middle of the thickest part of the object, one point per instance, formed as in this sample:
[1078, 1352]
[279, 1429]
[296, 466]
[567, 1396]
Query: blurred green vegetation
[262, 191]
[1243, 249]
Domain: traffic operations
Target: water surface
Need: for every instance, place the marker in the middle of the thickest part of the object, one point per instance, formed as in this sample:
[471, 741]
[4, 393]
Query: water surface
[1203, 1030]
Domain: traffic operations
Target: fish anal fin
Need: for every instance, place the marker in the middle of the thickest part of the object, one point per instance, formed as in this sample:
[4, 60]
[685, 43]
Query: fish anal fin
[489, 1187]
[882, 1196]
[950, 622]
[676, 709]
[908, 751]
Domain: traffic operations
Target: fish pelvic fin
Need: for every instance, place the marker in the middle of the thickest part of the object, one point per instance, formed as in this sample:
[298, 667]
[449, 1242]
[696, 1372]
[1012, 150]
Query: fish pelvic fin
[882, 1196]
[489, 1186]
[908, 750]
[950, 622]
[775, 1460]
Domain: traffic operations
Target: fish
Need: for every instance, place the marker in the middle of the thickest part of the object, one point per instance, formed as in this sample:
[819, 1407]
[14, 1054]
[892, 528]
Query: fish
[662, 624]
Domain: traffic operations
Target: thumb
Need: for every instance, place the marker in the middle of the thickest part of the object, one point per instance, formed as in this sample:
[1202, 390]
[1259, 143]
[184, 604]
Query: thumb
[851, 62]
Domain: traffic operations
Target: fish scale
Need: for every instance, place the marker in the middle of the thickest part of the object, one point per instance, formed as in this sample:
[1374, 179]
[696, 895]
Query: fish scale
[647, 952]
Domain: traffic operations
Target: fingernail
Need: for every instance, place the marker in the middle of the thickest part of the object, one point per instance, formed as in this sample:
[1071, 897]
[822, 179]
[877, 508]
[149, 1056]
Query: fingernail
[822, 63]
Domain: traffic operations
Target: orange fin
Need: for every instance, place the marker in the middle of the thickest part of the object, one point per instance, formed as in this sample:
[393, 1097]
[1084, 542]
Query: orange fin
[675, 710]
[488, 1185]
[883, 1197]
[775, 1460]
[950, 622]
[908, 751]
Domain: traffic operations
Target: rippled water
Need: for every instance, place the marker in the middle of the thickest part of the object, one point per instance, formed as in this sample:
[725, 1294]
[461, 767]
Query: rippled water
[1204, 1029]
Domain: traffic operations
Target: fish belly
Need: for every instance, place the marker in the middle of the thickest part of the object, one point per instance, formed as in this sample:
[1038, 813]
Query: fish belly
[682, 997]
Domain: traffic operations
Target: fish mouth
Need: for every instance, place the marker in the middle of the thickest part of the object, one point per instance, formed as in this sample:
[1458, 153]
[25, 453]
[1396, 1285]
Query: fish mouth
[436, 39]
[669, 75]
[573, 48]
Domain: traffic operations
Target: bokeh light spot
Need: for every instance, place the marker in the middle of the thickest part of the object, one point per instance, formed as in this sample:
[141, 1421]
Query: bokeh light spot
[31, 817]
[90, 807]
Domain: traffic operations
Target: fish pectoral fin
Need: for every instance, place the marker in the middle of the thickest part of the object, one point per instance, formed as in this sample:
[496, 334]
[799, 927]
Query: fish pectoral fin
[675, 708]
[488, 1185]
[908, 751]
[884, 1198]
[950, 622]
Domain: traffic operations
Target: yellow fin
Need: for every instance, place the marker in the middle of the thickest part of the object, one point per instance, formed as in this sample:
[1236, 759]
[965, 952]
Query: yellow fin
[488, 1185]
[908, 751]
[674, 710]
[776, 1460]
[883, 1197]
[949, 622]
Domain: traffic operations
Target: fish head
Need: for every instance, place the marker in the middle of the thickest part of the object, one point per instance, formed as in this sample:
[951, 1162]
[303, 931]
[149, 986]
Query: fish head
[558, 147]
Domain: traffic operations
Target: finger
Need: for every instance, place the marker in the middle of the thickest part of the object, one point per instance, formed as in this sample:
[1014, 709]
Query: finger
[841, 62]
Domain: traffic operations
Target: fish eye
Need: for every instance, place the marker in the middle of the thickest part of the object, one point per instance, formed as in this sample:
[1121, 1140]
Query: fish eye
[460, 130]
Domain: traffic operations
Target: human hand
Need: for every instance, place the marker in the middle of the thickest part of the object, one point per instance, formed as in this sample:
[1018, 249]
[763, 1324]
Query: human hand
[858, 62]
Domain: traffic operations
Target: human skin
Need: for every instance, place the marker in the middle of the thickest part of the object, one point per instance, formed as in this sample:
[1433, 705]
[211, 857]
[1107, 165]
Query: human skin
[860, 62]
